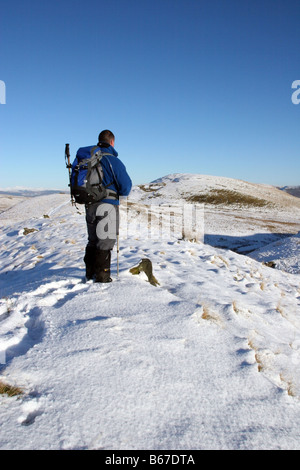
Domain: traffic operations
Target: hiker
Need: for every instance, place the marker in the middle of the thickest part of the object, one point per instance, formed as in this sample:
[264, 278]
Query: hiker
[102, 217]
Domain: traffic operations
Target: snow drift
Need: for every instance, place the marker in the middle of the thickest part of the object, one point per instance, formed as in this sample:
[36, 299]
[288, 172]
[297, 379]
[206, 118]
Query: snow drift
[209, 359]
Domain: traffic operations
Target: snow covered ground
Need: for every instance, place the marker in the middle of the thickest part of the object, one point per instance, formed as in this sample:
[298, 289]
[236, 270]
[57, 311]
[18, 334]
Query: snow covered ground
[209, 359]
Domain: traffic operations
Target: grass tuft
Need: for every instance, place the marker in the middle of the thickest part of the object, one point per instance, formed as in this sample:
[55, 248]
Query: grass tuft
[228, 197]
[9, 390]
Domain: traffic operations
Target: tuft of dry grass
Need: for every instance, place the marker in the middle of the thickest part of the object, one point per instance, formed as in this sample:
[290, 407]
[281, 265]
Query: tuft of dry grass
[235, 307]
[27, 230]
[251, 344]
[256, 355]
[11, 391]
[228, 197]
[218, 259]
[288, 385]
[279, 309]
[208, 314]
[259, 362]
[262, 285]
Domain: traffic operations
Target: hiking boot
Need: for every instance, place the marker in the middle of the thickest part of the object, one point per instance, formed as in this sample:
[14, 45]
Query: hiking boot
[102, 266]
[103, 276]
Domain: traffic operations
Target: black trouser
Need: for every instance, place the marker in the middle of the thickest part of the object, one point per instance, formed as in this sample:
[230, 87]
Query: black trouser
[103, 228]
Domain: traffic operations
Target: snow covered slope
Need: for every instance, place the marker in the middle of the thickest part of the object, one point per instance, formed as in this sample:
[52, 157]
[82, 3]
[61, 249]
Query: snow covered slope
[199, 187]
[7, 201]
[209, 359]
[284, 254]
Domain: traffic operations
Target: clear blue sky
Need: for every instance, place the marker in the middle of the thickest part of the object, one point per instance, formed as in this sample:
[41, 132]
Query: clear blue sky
[187, 86]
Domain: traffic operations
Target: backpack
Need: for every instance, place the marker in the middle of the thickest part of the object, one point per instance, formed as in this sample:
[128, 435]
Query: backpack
[86, 181]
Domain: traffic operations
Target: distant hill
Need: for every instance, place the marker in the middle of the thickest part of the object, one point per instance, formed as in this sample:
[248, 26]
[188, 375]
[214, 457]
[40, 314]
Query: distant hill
[213, 191]
[29, 192]
[13, 196]
[293, 190]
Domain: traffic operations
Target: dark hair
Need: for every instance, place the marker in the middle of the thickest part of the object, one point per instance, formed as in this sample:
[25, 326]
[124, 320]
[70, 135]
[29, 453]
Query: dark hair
[106, 136]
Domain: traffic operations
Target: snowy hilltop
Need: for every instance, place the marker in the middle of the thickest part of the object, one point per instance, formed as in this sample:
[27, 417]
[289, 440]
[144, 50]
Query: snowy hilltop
[207, 359]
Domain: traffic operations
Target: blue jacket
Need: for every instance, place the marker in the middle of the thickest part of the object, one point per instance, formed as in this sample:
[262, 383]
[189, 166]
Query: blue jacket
[113, 171]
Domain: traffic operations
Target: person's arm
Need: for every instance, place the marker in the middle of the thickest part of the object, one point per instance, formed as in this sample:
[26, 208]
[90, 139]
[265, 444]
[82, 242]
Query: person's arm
[123, 180]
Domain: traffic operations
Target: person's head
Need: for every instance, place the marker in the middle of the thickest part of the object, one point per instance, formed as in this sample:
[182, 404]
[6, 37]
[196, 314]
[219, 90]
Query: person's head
[107, 137]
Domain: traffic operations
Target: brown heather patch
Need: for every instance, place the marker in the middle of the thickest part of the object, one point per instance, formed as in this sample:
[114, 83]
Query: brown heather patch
[227, 197]
[9, 390]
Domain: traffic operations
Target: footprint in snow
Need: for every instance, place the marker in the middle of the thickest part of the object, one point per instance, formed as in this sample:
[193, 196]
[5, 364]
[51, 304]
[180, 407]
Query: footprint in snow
[31, 410]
